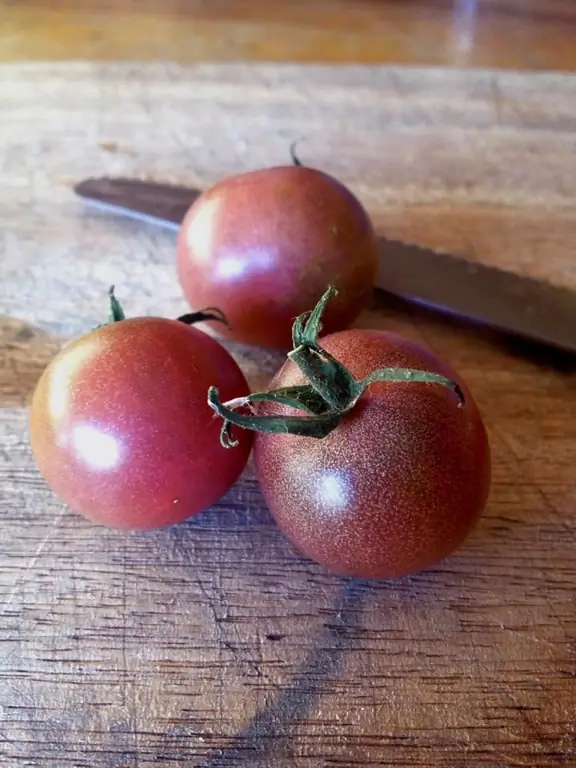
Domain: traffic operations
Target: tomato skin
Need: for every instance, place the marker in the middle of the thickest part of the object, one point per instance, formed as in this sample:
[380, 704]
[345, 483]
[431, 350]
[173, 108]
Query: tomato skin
[401, 481]
[121, 430]
[263, 246]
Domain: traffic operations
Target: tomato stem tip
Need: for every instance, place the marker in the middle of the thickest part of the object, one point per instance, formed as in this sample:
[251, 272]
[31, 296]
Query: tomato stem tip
[204, 315]
[294, 157]
[115, 312]
[208, 314]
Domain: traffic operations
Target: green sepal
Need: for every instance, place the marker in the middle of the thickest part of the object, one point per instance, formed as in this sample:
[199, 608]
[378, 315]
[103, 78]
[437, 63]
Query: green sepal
[307, 326]
[411, 376]
[303, 397]
[333, 382]
[115, 313]
[331, 390]
[314, 425]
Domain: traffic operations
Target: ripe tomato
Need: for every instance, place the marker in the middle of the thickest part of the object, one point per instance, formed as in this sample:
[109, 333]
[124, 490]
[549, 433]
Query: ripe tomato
[263, 245]
[121, 430]
[399, 483]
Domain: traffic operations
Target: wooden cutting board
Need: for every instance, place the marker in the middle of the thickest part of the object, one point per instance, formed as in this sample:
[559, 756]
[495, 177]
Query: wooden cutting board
[213, 643]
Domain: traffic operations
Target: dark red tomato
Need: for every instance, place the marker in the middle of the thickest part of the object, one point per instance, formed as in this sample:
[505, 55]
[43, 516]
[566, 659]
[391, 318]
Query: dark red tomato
[121, 430]
[400, 482]
[264, 245]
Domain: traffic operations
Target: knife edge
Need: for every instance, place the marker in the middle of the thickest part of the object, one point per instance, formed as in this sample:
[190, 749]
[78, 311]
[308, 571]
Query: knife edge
[503, 300]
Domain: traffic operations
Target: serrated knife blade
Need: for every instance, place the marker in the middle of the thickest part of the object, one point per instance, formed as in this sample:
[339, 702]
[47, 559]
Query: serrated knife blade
[490, 296]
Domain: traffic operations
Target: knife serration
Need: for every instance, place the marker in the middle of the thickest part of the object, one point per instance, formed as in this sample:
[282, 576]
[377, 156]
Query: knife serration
[488, 295]
[503, 300]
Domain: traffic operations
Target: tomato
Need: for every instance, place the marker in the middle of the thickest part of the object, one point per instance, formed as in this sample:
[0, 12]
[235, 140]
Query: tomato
[398, 484]
[263, 245]
[120, 427]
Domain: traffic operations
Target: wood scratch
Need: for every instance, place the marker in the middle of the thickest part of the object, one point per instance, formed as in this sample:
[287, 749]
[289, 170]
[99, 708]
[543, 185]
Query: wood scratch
[32, 564]
[550, 505]
[128, 688]
[123, 638]
[497, 99]
[6, 740]
[462, 665]
[215, 602]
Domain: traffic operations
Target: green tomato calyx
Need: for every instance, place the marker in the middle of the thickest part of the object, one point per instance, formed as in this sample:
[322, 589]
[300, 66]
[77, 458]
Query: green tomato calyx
[331, 390]
[115, 311]
[208, 314]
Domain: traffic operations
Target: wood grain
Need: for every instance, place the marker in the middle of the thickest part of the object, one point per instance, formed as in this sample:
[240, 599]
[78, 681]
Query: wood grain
[212, 643]
[480, 33]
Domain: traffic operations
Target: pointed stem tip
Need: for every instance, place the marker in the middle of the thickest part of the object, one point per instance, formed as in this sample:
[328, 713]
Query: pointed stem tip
[208, 314]
[115, 312]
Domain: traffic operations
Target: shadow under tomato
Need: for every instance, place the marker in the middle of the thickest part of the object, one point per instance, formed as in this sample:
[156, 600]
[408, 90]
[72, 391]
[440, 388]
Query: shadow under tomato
[25, 351]
[278, 719]
[240, 542]
[255, 559]
[234, 550]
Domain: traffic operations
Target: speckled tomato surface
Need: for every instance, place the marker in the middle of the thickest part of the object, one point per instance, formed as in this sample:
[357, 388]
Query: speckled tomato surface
[263, 246]
[401, 481]
[121, 430]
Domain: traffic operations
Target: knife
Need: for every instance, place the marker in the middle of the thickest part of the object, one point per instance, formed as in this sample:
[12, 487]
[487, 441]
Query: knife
[490, 296]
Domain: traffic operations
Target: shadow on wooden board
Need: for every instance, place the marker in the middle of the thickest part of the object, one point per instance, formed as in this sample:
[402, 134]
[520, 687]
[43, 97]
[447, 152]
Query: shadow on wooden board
[24, 353]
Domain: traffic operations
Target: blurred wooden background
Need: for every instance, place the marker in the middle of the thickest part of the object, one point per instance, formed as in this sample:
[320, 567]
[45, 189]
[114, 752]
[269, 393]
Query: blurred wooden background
[518, 34]
[213, 643]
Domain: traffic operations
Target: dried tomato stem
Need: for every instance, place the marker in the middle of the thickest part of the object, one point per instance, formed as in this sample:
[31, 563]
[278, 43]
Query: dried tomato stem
[295, 159]
[116, 313]
[331, 390]
[204, 315]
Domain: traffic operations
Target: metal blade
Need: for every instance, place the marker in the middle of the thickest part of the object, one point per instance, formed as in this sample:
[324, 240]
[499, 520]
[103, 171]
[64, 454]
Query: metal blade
[162, 204]
[488, 295]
